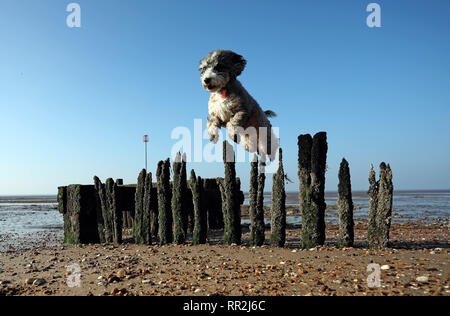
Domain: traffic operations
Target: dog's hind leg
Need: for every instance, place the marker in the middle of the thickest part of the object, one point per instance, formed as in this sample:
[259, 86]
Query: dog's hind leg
[236, 125]
[274, 145]
[249, 141]
[267, 143]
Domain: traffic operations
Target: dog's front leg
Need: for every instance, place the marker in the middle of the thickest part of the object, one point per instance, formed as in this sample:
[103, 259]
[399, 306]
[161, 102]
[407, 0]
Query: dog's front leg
[236, 126]
[213, 125]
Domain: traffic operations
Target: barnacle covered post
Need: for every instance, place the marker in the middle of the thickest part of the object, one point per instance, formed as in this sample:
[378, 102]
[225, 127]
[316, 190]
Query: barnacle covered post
[179, 235]
[256, 209]
[62, 199]
[138, 225]
[220, 184]
[80, 215]
[164, 199]
[105, 225]
[230, 198]
[345, 207]
[253, 198]
[278, 216]
[380, 207]
[147, 206]
[154, 213]
[385, 201]
[200, 223]
[312, 167]
[372, 236]
[189, 211]
[111, 200]
[186, 205]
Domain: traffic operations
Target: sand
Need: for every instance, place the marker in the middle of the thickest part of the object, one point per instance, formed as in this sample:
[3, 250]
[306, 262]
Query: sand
[417, 265]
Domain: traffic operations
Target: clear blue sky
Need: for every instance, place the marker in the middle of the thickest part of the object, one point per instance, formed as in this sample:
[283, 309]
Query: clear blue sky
[75, 103]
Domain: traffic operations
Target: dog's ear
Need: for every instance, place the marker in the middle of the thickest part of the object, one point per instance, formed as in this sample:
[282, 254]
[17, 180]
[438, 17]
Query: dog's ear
[238, 64]
[235, 62]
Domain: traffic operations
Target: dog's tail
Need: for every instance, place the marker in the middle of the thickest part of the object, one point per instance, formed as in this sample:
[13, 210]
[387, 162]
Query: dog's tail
[270, 113]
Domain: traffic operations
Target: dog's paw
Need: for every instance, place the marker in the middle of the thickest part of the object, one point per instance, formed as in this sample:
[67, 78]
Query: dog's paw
[213, 134]
[214, 138]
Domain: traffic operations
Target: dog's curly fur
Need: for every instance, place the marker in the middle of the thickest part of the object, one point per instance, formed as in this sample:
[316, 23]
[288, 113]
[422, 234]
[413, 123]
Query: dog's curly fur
[231, 106]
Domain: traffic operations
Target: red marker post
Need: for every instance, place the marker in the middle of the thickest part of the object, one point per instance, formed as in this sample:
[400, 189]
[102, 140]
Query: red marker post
[145, 140]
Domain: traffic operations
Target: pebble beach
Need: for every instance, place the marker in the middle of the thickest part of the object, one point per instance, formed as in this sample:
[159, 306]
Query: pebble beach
[416, 265]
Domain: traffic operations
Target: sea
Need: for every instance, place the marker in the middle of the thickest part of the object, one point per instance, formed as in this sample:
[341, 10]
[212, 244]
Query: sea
[28, 222]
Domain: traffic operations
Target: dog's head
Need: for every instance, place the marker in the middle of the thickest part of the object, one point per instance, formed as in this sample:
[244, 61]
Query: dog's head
[220, 67]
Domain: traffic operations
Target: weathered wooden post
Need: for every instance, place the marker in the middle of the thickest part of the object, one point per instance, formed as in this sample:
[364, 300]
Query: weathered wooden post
[62, 199]
[230, 198]
[80, 215]
[312, 167]
[200, 224]
[380, 207]
[164, 201]
[220, 183]
[278, 221]
[253, 198]
[147, 205]
[256, 209]
[372, 234]
[111, 200]
[385, 202]
[188, 210]
[106, 227]
[154, 213]
[178, 203]
[345, 207]
[138, 225]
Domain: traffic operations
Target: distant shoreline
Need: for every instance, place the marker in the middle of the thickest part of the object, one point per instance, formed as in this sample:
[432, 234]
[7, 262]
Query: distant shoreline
[28, 199]
[291, 195]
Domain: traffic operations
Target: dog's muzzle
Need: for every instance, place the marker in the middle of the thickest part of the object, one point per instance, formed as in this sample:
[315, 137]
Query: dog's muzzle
[207, 84]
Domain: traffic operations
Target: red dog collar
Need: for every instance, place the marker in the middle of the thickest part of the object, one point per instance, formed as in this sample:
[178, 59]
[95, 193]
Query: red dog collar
[224, 93]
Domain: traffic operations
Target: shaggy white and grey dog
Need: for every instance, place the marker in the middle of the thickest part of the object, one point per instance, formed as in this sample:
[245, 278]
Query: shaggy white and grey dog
[231, 106]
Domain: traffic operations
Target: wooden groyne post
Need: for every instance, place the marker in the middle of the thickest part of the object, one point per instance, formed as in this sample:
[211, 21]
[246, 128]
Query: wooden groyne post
[200, 221]
[179, 189]
[229, 187]
[110, 222]
[164, 202]
[381, 194]
[278, 214]
[312, 159]
[345, 207]
[256, 207]
[78, 204]
[144, 197]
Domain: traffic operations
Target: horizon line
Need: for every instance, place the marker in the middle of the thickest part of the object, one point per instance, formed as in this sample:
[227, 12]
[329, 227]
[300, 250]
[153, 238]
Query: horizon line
[265, 192]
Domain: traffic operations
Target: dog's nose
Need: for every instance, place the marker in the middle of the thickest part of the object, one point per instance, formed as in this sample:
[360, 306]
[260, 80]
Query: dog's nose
[207, 80]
